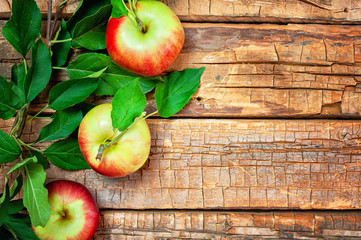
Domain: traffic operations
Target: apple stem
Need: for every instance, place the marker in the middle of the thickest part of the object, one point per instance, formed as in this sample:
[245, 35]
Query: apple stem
[102, 147]
[62, 213]
[100, 152]
[131, 10]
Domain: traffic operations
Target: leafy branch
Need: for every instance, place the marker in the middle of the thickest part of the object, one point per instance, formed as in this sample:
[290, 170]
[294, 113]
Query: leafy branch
[91, 73]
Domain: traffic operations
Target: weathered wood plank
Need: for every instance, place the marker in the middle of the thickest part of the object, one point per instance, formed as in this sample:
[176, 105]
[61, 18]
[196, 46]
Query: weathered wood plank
[235, 164]
[315, 11]
[262, 70]
[228, 225]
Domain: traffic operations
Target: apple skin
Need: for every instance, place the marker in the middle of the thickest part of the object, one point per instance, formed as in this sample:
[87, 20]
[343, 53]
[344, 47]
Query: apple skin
[122, 158]
[150, 53]
[81, 218]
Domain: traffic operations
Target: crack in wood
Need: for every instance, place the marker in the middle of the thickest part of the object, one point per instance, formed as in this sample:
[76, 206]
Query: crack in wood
[315, 5]
[9, 4]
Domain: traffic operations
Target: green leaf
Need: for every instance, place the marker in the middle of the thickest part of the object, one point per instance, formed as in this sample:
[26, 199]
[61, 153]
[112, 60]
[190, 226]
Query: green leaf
[148, 84]
[61, 50]
[89, 63]
[68, 93]
[128, 103]
[21, 164]
[12, 98]
[6, 113]
[39, 72]
[90, 31]
[113, 78]
[18, 75]
[41, 158]
[16, 186]
[63, 124]
[36, 195]
[66, 154]
[21, 225]
[94, 39]
[118, 9]
[4, 202]
[9, 149]
[15, 206]
[24, 25]
[85, 8]
[98, 73]
[178, 87]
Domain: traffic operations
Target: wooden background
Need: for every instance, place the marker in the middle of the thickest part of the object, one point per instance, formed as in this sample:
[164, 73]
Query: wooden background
[268, 147]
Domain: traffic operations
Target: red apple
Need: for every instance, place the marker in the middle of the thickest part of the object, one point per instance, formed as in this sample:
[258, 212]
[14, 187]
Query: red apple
[74, 213]
[148, 51]
[123, 157]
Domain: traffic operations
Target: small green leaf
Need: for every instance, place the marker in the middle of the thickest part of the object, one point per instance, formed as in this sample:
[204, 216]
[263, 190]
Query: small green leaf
[6, 113]
[21, 164]
[128, 103]
[24, 25]
[15, 206]
[39, 72]
[41, 158]
[66, 154]
[18, 75]
[10, 95]
[89, 63]
[85, 8]
[11, 99]
[16, 187]
[63, 124]
[36, 195]
[90, 31]
[109, 84]
[93, 40]
[148, 84]
[118, 9]
[19, 98]
[9, 149]
[61, 50]
[4, 202]
[73, 91]
[113, 78]
[98, 73]
[21, 225]
[5, 193]
[175, 92]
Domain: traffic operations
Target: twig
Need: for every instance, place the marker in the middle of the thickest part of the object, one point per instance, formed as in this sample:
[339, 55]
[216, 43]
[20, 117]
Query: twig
[57, 15]
[48, 23]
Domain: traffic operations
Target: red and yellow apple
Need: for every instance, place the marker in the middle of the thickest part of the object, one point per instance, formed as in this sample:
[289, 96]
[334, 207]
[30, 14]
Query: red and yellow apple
[124, 156]
[74, 213]
[150, 50]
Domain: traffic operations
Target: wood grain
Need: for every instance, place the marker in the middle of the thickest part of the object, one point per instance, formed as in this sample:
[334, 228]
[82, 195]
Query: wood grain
[117, 225]
[273, 71]
[315, 11]
[234, 164]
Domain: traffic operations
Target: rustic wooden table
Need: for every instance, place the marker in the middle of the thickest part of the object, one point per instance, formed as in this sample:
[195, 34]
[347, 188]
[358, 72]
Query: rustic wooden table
[268, 147]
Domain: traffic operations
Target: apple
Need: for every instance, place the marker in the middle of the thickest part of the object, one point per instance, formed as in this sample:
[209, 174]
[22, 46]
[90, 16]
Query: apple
[146, 50]
[125, 156]
[74, 213]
